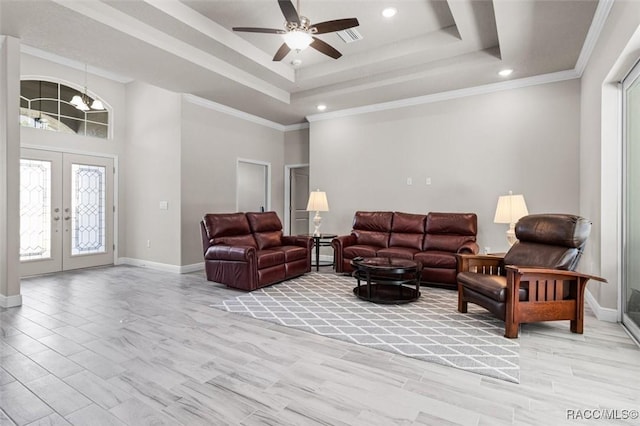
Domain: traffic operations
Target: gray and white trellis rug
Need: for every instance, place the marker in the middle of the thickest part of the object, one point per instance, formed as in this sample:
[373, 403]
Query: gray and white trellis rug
[430, 329]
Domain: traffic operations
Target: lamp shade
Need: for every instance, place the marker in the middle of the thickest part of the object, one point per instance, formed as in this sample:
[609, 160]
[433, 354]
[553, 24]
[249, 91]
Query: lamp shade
[510, 208]
[318, 202]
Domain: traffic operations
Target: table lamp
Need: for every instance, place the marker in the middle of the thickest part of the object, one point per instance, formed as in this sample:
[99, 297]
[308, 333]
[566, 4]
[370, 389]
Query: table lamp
[509, 210]
[318, 203]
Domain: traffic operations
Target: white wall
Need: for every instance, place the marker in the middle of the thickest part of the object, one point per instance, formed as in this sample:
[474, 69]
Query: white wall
[618, 48]
[152, 164]
[211, 144]
[296, 146]
[473, 149]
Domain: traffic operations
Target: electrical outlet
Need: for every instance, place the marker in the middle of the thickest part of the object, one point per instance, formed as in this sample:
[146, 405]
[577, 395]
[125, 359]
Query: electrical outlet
[487, 250]
[409, 181]
[428, 181]
[148, 243]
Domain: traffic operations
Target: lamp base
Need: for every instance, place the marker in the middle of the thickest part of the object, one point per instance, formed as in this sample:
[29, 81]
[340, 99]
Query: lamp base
[511, 234]
[317, 221]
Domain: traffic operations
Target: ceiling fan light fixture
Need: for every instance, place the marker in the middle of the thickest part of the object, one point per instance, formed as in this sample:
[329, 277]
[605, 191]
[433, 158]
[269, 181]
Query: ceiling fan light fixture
[297, 39]
[389, 12]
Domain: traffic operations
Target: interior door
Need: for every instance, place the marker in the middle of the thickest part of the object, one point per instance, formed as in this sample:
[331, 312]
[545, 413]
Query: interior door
[252, 180]
[299, 218]
[66, 211]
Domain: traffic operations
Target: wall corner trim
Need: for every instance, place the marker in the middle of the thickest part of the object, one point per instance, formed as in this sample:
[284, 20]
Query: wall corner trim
[603, 314]
[10, 301]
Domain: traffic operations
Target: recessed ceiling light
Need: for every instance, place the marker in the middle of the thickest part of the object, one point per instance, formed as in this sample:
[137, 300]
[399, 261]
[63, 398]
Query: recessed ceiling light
[505, 72]
[321, 107]
[296, 62]
[389, 12]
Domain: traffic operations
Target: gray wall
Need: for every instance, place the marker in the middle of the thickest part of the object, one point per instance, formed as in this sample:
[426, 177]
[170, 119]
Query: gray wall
[296, 147]
[152, 164]
[211, 144]
[474, 149]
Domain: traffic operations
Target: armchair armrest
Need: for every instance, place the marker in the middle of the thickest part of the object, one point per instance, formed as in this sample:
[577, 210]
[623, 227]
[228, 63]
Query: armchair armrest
[469, 247]
[339, 244]
[479, 263]
[545, 273]
[298, 240]
[233, 253]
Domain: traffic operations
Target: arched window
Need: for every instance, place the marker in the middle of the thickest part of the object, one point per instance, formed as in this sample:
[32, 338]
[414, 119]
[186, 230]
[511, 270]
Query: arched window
[56, 107]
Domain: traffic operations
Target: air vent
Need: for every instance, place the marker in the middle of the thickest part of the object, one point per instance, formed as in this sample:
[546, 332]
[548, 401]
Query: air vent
[349, 35]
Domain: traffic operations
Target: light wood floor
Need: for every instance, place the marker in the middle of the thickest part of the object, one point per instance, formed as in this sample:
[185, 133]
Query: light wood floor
[125, 345]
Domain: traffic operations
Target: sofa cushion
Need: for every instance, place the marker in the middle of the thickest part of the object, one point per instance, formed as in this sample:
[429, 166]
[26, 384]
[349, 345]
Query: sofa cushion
[398, 252]
[264, 221]
[267, 240]
[292, 253]
[450, 243]
[359, 250]
[267, 258]
[452, 223]
[238, 240]
[228, 229]
[407, 230]
[373, 221]
[371, 238]
[436, 259]
[491, 286]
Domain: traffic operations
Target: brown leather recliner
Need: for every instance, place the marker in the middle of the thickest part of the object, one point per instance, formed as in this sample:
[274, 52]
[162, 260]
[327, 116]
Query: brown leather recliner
[536, 279]
[248, 251]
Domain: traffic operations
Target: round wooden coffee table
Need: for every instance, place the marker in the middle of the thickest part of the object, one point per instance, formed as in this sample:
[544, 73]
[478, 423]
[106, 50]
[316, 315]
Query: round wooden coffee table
[387, 280]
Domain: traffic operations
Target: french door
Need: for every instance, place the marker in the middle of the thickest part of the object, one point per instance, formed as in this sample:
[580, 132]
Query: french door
[66, 211]
[631, 202]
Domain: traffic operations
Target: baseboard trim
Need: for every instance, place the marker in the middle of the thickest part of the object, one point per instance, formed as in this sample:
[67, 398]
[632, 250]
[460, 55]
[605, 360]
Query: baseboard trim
[603, 314]
[10, 301]
[176, 269]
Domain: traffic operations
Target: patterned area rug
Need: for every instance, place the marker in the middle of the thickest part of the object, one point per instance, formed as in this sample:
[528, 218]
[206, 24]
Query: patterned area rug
[430, 329]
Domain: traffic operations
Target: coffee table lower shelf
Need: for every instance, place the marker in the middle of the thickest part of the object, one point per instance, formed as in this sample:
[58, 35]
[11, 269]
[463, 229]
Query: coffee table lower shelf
[386, 293]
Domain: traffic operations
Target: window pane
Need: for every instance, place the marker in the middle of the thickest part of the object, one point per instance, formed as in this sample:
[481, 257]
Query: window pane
[88, 209]
[70, 111]
[99, 116]
[96, 130]
[46, 106]
[75, 125]
[35, 209]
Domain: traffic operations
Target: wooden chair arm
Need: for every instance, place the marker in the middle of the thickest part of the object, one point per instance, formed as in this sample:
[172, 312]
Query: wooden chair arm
[545, 272]
[480, 263]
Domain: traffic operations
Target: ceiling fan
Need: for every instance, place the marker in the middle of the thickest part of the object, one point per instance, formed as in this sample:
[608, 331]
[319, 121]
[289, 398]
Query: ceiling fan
[298, 31]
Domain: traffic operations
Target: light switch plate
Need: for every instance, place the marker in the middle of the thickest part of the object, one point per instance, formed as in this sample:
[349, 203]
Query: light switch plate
[164, 205]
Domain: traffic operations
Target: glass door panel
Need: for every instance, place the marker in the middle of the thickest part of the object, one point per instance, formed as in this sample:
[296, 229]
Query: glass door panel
[40, 205]
[66, 211]
[631, 220]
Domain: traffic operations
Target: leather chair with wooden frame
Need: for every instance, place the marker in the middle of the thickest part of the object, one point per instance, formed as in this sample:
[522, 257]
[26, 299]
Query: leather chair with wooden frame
[536, 279]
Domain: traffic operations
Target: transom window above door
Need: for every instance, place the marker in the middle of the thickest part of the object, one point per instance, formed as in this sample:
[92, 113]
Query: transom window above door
[56, 107]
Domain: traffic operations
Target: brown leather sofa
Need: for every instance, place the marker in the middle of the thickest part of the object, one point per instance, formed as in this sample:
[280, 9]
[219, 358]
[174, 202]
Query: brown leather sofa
[433, 240]
[248, 251]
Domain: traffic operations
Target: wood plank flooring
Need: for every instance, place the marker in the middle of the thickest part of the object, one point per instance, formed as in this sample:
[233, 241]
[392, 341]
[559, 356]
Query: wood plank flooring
[132, 346]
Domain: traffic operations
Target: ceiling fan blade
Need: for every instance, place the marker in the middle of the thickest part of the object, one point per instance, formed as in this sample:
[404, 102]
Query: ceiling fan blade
[289, 11]
[282, 52]
[325, 48]
[335, 25]
[259, 30]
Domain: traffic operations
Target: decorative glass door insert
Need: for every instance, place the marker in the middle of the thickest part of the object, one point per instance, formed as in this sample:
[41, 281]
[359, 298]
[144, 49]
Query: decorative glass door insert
[66, 211]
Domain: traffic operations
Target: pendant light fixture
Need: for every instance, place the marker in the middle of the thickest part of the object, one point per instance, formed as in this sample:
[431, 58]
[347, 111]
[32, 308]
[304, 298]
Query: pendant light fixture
[81, 102]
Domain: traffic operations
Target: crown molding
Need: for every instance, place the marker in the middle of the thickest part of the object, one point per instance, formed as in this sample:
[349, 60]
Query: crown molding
[77, 65]
[293, 127]
[196, 100]
[452, 94]
[597, 24]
